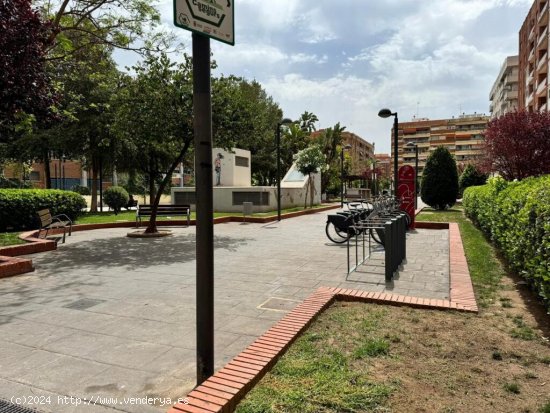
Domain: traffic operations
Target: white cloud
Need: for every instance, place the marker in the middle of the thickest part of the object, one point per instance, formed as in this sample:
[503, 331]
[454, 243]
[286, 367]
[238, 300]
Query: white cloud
[345, 60]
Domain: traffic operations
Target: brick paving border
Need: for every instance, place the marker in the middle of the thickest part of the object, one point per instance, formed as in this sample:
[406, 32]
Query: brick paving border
[10, 266]
[222, 392]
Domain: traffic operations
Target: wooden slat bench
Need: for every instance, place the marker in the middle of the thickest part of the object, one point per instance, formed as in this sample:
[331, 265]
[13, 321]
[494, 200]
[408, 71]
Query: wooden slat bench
[47, 222]
[163, 210]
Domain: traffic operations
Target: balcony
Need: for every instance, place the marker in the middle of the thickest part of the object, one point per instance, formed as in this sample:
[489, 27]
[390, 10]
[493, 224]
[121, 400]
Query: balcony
[543, 39]
[532, 33]
[531, 57]
[543, 62]
[541, 87]
[529, 99]
[543, 108]
[511, 94]
[543, 15]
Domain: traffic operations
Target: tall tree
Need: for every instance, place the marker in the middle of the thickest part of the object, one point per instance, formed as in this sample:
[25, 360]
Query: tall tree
[308, 121]
[154, 121]
[439, 187]
[330, 141]
[309, 161]
[26, 92]
[517, 145]
[294, 139]
[245, 116]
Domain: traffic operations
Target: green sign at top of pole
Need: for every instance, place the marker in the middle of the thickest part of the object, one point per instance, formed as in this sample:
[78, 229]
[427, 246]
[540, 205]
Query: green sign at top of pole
[212, 18]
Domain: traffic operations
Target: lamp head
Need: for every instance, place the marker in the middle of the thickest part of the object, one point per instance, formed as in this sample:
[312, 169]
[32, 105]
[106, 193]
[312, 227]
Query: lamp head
[385, 113]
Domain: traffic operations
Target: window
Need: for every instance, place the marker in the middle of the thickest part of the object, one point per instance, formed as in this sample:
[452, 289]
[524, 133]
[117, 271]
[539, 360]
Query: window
[185, 198]
[241, 161]
[257, 198]
[34, 176]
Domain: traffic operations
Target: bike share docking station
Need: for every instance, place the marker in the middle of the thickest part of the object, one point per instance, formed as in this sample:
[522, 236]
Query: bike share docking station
[390, 222]
[384, 221]
[391, 228]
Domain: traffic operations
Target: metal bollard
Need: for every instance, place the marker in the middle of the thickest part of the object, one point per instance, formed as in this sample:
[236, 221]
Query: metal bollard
[388, 234]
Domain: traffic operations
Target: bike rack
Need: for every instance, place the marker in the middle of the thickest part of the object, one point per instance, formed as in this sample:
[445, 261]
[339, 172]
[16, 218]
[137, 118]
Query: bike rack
[393, 225]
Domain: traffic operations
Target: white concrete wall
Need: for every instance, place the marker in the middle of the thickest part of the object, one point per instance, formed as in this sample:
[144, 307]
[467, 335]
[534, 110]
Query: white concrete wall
[231, 175]
[291, 196]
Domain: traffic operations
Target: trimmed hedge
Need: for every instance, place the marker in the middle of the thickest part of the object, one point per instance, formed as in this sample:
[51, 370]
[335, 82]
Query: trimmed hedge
[18, 207]
[516, 216]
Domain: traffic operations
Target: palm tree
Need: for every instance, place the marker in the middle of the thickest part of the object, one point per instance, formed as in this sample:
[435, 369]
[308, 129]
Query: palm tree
[307, 121]
[331, 142]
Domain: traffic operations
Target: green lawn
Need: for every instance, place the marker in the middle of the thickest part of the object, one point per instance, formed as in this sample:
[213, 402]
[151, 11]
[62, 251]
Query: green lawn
[10, 238]
[130, 216]
[486, 269]
[325, 370]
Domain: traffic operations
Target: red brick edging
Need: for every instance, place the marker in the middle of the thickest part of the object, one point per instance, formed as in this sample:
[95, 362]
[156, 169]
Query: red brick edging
[222, 392]
[10, 266]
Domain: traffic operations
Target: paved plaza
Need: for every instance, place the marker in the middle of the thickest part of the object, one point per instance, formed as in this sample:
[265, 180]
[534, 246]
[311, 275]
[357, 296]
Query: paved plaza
[106, 316]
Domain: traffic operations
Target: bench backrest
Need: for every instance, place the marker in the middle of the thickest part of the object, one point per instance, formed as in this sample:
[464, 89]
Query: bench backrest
[45, 217]
[166, 209]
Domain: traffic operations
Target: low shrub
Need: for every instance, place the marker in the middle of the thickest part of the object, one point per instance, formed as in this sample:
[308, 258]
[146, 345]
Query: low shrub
[13, 183]
[516, 216]
[20, 206]
[116, 197]
[82, 190]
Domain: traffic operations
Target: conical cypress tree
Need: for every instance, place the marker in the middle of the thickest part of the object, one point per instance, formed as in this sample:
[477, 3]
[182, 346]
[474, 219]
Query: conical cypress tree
[440, 179]
[471, 177]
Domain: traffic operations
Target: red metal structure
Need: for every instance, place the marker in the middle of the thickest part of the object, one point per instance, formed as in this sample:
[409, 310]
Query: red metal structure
[406, 191]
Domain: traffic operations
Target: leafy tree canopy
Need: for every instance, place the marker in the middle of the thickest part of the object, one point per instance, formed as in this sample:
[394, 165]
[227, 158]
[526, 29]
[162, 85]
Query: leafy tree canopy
[517, 145]
[79, 24]
[471, 176]
[308, 161]
[26, 92]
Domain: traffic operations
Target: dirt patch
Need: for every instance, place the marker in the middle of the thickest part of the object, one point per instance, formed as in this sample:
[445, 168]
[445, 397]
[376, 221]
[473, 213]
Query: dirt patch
[450, 362]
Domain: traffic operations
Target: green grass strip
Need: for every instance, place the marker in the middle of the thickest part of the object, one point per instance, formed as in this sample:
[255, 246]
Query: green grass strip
[485, 268]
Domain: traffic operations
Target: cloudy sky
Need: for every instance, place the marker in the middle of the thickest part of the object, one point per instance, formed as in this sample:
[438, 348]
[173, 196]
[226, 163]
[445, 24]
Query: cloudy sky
[345, 59]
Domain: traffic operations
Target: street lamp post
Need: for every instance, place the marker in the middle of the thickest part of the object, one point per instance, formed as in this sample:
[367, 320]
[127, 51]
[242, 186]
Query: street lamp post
[386, 113]
[415, 146]
[284, 122]
[344, 148]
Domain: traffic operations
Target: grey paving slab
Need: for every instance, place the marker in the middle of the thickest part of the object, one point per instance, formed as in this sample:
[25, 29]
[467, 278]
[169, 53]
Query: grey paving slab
[109, 316]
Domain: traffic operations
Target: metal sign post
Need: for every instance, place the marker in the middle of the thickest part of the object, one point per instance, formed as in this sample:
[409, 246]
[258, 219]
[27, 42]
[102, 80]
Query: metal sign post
[206, 19]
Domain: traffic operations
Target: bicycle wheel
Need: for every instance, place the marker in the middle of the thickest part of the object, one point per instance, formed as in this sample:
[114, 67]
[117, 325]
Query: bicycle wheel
[376, 237]
[335, 234]
[407, 220]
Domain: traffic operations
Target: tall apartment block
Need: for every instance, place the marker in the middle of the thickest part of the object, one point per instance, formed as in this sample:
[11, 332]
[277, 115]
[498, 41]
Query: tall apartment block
[533, 58]
[361, 151]
[463, 136]
[504, 93]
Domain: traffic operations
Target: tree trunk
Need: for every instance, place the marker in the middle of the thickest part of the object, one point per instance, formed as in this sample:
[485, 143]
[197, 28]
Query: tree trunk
[305, 198]
[152, 193]
[95, 173]
[311, 194]
[47, 171]
[152, 226]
